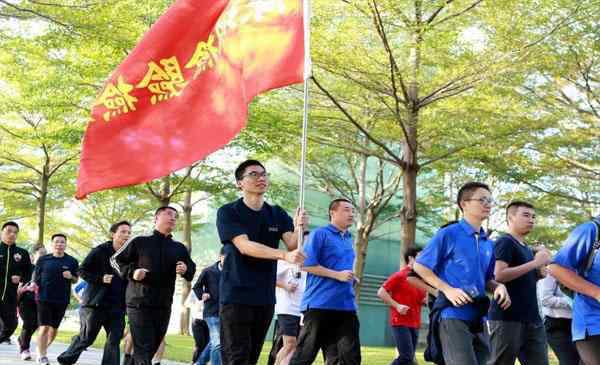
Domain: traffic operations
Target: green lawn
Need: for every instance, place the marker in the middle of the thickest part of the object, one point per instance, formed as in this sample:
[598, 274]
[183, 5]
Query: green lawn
[179, 348]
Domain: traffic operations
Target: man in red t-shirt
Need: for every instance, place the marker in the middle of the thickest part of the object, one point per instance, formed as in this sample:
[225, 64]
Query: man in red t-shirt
[405, 303]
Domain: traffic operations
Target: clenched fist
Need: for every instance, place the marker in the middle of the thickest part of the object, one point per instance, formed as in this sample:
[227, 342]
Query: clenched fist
[107, 279]
[181, 268]
[139, 274]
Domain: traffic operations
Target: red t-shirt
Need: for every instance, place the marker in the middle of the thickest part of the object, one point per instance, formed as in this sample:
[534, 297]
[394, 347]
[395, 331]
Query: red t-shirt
[404, 293]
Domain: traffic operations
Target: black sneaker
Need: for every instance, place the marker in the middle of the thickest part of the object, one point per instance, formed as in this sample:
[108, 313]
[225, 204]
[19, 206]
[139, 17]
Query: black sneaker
[127, 360]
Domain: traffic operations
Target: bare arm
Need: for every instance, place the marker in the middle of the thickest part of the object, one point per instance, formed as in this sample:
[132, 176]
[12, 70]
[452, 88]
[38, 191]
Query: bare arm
[300, 225]
[504, 274]
[429, 277]
[499, 292]
[344, 276]
[455, 295]
[491, 285]
[571, 280]
[291, 240]
[419, 283]
[258, 250]
[386, 297]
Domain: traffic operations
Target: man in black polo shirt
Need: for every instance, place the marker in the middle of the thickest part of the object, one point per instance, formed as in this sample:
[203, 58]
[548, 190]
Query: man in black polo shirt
[53, 275]
[207, 289]
[518, 332]
[15, 268]
[103, 302]
[250, 230]
[150, 264]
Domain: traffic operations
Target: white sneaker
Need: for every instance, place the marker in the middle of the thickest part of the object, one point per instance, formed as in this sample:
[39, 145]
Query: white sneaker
[43, 360]
[25, 355]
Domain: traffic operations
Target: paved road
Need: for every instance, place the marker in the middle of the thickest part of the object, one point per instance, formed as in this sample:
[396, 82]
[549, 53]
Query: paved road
[9, 355]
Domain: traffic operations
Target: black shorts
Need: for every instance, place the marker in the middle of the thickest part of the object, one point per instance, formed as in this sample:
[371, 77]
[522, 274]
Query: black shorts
[289, 324]
[50, 314]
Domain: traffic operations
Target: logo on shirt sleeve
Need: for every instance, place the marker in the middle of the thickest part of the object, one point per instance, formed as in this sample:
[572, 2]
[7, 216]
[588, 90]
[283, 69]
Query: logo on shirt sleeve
[65, 267]
[273, 229]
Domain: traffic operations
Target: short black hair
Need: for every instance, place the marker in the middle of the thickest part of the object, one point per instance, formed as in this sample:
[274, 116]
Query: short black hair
[467, 190]
[515, 204]
[411, 252]
[58, 235]
[334, 204]
[165, 207]
[239, 171]
[115, 226]
[11, 223]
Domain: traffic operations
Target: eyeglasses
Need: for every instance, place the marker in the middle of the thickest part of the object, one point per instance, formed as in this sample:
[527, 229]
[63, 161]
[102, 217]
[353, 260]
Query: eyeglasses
[484, 201]
[254, 175]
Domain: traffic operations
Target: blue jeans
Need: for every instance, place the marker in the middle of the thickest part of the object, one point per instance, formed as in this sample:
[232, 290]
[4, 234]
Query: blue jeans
[213, 349]
[204, 356]
[406, 343]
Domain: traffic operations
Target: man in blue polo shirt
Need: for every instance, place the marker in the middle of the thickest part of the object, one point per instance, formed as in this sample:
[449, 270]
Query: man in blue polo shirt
[459, 262]
[577, 266]
[250, 230]
[329, 305]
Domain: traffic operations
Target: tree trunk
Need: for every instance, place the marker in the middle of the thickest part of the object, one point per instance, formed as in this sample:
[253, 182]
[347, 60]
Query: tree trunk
[44, 182]
[408, 215]
[362, 243]
[184, 323]
[165, 191]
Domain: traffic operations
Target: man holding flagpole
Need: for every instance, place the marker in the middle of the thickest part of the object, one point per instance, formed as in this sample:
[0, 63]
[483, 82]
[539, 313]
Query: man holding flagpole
[250, 230]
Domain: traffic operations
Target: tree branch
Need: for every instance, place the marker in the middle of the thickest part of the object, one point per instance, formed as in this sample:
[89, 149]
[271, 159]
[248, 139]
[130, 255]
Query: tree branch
[437, 12]
[37, 14]
[358, 126]
[455, 15]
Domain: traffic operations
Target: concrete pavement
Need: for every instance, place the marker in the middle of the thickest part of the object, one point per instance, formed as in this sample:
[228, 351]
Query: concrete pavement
[9, 355]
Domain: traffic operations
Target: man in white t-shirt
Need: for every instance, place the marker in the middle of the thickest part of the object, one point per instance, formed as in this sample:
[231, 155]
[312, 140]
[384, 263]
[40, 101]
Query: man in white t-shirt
[288, 293]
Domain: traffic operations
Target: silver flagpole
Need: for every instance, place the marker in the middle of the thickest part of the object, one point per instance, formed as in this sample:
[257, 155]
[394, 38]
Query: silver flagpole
[307, 75]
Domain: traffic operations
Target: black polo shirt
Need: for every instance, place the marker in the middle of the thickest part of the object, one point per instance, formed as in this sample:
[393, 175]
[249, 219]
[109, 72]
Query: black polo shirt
[245, 279]
[48, 276]
[522, 290]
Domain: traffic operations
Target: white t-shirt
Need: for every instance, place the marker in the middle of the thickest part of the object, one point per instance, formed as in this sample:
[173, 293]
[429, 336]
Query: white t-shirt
[195, 305]
[286, 302]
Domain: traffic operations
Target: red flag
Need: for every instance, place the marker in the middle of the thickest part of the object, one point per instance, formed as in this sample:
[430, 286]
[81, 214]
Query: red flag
[183, 92]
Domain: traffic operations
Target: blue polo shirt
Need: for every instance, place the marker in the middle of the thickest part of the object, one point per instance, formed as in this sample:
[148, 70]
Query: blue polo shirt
[573, 255]
[328, 247]
[463, 260]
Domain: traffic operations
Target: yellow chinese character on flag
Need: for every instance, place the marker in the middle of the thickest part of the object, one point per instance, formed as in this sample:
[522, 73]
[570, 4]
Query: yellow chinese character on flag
[204, 56]
[164, 81]
[116, 99]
